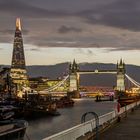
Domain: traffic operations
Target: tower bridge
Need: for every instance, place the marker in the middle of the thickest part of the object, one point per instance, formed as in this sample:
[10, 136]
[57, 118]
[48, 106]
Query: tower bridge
[75, 72]
[73, 78]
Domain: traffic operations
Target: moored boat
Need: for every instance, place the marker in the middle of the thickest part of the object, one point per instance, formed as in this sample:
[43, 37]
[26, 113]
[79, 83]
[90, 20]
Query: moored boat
[12, 129]
[7, 112]
[124, 99]
[38, 105]
[40, 111]
[64, 102]
[31, 106]
[127, 100]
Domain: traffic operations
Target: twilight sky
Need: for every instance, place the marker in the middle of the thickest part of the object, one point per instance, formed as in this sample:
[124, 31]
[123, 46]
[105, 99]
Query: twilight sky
[57, 31]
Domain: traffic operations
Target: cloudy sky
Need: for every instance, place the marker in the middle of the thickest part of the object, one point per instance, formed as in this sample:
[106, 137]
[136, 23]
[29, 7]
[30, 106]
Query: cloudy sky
[57, 31]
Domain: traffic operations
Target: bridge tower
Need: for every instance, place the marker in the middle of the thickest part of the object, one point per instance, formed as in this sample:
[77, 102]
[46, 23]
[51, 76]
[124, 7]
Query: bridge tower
[121, 76]
[18, 71]
[74, 78]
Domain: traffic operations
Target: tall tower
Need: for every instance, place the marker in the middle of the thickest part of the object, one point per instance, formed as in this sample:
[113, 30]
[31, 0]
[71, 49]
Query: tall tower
[121, 76]
[18, 71]
[74, 77]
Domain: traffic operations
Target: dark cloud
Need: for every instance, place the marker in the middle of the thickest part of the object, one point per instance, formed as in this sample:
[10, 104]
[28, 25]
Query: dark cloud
[90, 52]
[44, 42]
[120, 13]
[129, 47]
[11, 32]
[65, 29]
[23, 9]
[94, 45]
[117, 13]
[7, 35]
[33, 49]
[87, 51]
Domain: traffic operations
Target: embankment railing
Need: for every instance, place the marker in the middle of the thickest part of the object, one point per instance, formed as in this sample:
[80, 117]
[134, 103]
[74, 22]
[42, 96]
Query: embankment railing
[81, 129]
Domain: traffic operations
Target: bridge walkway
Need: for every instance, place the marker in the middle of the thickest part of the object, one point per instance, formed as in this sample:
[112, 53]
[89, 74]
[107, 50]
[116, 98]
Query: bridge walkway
[127, 129]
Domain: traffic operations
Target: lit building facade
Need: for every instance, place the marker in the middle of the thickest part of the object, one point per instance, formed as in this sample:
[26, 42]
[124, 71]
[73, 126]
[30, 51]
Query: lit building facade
[40, 84]
[18, 71]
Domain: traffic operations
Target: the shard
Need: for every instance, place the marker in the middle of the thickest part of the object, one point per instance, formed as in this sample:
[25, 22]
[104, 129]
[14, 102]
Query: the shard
[18, 68]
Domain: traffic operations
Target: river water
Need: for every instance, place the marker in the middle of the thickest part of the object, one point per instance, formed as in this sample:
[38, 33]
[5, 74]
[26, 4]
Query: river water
[43, 127]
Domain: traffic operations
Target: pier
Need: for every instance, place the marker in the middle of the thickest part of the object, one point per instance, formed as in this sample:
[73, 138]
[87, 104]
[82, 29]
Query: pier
[87, 130]
[127, 129]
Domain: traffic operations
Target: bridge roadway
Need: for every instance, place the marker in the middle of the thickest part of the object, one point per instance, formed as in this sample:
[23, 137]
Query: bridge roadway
[97, 71]
[127, 129]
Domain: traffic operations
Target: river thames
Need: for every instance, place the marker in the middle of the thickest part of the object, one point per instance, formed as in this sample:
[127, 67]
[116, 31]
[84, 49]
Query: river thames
[44, 127]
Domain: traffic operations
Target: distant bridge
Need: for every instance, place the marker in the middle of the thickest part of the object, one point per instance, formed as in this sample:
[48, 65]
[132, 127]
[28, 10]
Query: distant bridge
[74, 75]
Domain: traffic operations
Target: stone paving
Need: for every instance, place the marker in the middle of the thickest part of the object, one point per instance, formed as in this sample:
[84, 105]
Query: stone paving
[127, 129]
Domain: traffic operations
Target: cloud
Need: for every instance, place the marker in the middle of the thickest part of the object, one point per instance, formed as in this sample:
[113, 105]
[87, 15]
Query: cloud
[11, 32]
[87, 52]
[120, 13]
[33, 49]
[112, 25]
[65, 29]
[62, 42]
[21, 8]
[116, 13]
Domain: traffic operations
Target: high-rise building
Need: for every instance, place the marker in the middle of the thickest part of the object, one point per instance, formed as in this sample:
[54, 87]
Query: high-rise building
[18, 71]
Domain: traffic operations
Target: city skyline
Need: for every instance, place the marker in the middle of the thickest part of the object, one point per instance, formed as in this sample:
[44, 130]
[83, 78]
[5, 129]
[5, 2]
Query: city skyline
[55, 32]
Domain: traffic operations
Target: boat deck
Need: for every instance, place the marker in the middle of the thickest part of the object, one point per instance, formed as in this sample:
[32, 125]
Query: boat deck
[5, 128]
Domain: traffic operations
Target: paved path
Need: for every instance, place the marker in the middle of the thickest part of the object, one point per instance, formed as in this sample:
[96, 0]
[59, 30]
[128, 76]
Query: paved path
[127, 129]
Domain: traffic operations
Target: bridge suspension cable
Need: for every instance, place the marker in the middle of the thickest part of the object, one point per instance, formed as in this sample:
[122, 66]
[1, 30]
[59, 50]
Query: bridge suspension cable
[57, 85]
[133, 81]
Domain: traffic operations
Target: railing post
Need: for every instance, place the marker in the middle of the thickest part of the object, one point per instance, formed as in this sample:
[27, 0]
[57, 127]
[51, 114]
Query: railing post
[136, 104]
[125, 110]
[83, 119]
